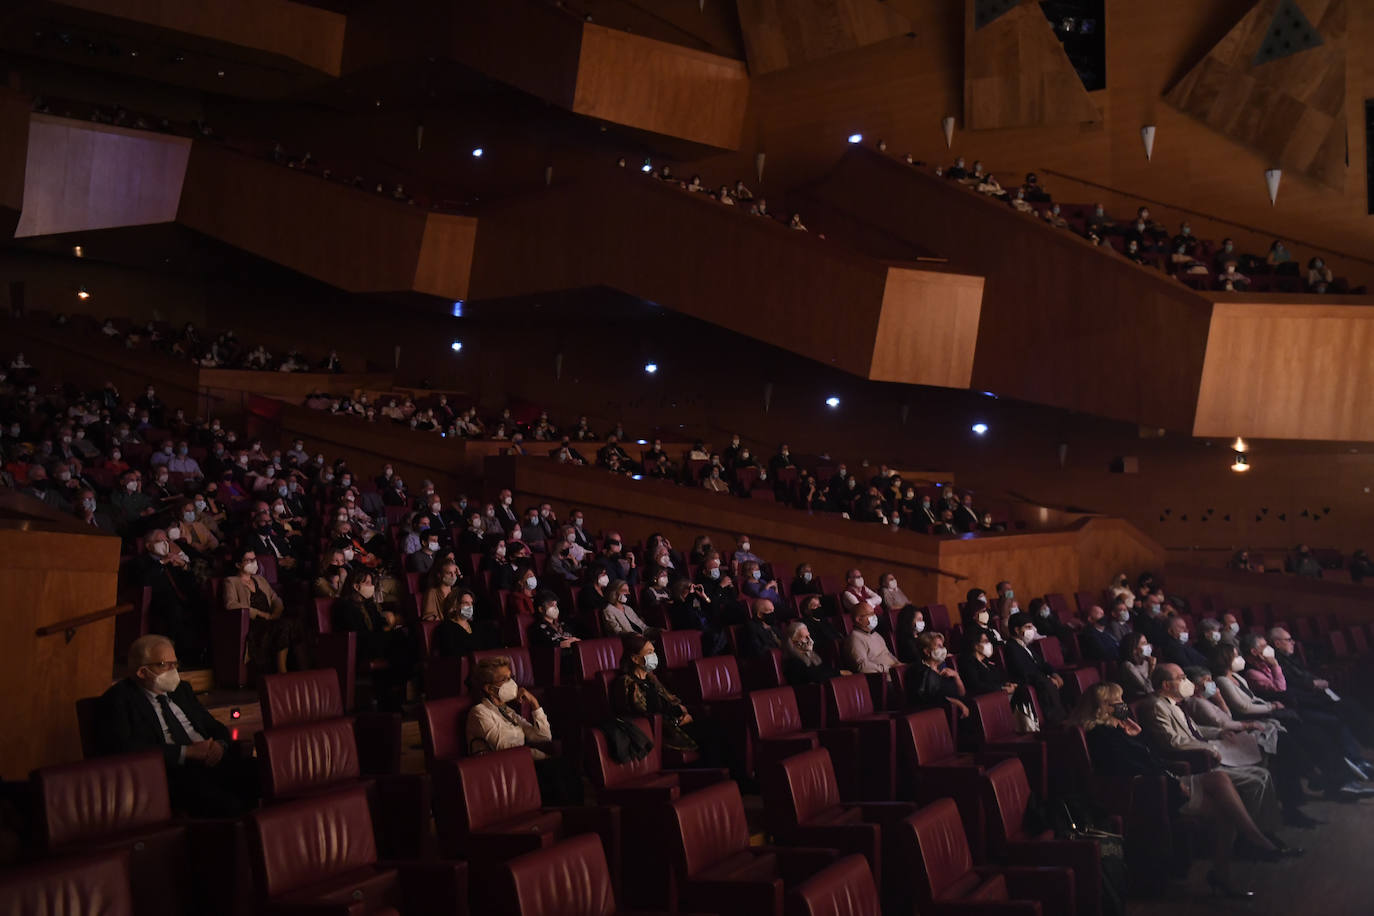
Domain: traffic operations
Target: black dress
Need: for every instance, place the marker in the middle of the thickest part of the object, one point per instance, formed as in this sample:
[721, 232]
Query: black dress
[980, 676]
[267, 635]
[926, 688]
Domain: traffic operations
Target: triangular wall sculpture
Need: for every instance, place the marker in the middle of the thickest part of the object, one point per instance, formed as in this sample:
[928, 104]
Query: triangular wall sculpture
[1282, 95]
[1016, 73]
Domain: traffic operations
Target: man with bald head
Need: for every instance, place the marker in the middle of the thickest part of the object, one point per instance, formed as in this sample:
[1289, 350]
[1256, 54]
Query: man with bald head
[153, 709]
[1340, 715]
[760, 633]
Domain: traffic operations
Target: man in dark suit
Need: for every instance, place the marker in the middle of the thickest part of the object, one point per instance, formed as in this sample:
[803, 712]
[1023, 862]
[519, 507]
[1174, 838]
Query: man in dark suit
[153, 709]
[1098, 642]
[1025, 669]
[1174, 648]
[505, 513]
[966, 517]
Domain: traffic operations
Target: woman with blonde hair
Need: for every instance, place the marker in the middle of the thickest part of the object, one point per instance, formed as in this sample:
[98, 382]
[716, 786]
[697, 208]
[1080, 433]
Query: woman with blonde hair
[1117, 750]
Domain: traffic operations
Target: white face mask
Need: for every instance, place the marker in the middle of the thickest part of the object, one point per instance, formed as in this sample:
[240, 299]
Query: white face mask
[1214, 635]
[662, 581]
[552, 613]
[450, 580]
[348, 554]
[168, 681]
[1268, 653]
[603, 581]
[1147, 650]
[1185, 688]
[1183, 637]
[920, 626]
[174, 533]
[531, 582]
[251, 567]
[1045, 611]
[982, 599]
[858, 581]
[1237, 664]
[983, 618]
[987, 650]
[131, 486]
[940, 654]
[872, 624]
[162, 548]
[1233, 627]
[433, 546]
[714, 573]
[651, 661]
[757, 575]
[806, 577]
[1029, 635]
[1124, 616]
[508, 692]
[465, 611]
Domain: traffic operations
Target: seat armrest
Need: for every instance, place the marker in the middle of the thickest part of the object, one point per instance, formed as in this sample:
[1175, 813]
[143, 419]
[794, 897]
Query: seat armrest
[604, 821]
[640, 796]
[433, 888]
[732, 898]
[379, 742]
[1083, 856]
[693, 778]
[797, 863]
[1197, 761]
[887, 814]
[1053, 887]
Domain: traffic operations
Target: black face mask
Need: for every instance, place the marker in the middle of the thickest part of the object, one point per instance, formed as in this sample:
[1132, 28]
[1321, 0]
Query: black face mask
[1121, 711]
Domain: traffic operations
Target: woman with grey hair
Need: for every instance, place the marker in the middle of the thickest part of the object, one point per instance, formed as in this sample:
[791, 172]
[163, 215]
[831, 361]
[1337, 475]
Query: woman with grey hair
[800, 662]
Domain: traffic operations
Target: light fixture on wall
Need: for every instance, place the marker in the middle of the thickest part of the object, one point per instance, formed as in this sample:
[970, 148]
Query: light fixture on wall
[456, 346]
[832, 402]
[1242, 464]
[1240, 445]
[83, 294]
[856, 138]
[78, 251]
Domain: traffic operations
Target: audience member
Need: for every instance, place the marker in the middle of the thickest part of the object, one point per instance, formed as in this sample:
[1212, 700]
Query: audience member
[865, 650]
[494, 725]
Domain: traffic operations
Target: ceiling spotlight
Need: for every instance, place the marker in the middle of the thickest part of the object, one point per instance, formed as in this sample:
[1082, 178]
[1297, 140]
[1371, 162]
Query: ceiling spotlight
[1240, 445]
[78, 252]
[646, 167]
[82, 293]
[979, 429]
[641, 442]
[856, 138]
[832, 401]
[651, 368]
[477, 152]
[1242, 464]
[458, 309]
[456, 346]
[220, 74]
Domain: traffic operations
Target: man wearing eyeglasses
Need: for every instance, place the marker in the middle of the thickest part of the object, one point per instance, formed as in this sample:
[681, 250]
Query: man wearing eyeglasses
[153, 708]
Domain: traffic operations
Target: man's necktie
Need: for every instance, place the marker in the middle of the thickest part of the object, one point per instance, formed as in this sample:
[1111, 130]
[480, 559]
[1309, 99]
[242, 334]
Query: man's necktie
[174, 728]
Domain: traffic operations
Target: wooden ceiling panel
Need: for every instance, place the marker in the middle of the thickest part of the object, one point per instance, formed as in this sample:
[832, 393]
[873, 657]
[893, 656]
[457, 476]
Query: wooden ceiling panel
[1287, 103]
[779, 34]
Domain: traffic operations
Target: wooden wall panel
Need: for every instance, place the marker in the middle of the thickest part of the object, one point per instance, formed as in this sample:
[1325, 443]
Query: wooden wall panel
[1290, 596]
[1288, 371]
[80, 175]
[14, 128]
[1016, 74]
[1291, 109]
[353, 239]
[308, 35]
[444, 266]
[785, 33]
[50, 574]
[927, 329]
[660, 87]
[1061, 323]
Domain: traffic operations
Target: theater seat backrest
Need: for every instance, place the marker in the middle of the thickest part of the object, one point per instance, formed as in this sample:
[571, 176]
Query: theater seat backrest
[937, 617]
[444, 728]
[718, 678]
[97, 798]
[298, 759]
[1051, 651]
[845, 888]
[1085, 678]
[301, 696]
[308, 841]
[1008, 795]
[995, 717]
[710, 826]
[521, 668]
[850, 697]
[498, 786]
[930, 735]
[568, 879]
[811, 785]
[680, 647]
[97, 885]
[946, 865]
[597, 655]
[605, 772]
[775, 712]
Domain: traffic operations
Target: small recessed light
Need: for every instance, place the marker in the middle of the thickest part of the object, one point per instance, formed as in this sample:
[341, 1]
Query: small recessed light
[82, 293]
[646, 167]
[641, 442]
[979, 429]
[456, 346]
[458, 309]
[1241, 465]
[78, 251]
[477, 152]
[651, 368]
[856, 138]
[220, 74]
[832, 401]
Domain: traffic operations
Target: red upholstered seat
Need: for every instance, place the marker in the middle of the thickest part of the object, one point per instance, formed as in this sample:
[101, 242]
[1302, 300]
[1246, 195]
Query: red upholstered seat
[1007, 795]
[849, 702]
[318, 757]
[444, 728]
[802, 807]
[312, 696]
[846, 888]
[95, 884]
[930, 768]
[319, 853]
[777, 729]
[570, 878]
[118, 803]
[996, 730]
[717, 869]
[717, 694]
[935, 859]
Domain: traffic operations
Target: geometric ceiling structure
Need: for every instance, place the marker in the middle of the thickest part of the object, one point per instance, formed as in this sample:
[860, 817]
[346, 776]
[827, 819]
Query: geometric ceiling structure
[1016, 72]
[779, 34]
[1276, 84]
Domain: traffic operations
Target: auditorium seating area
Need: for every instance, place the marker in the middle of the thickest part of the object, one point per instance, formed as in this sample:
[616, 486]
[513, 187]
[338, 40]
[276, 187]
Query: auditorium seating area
[863, 794]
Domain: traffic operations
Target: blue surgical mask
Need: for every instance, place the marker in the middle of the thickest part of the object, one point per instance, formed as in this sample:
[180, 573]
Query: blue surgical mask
[714, 573]
[1209, 689]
